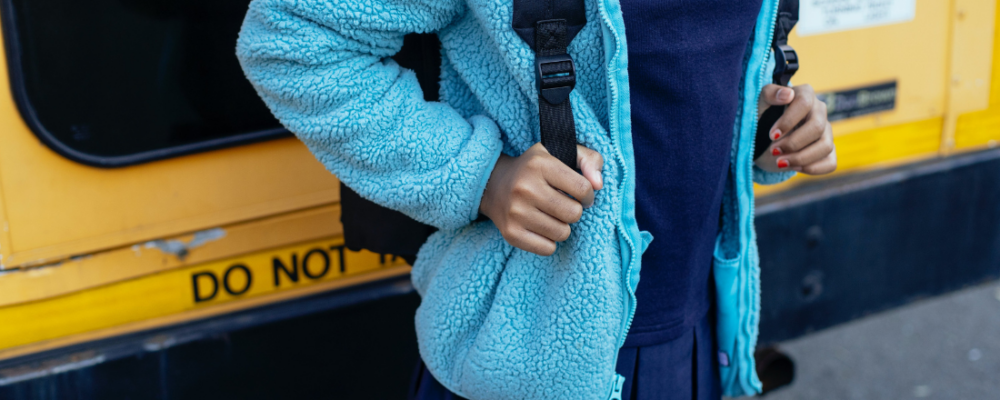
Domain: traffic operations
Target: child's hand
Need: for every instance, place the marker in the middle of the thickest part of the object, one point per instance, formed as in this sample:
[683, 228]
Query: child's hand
[803, 139]
[523, 196]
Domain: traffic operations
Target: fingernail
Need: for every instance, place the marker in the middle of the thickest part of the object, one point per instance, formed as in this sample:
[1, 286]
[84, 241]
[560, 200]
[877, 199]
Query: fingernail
[776, 152]
[782, 163]
[775, 134]
[784, 95]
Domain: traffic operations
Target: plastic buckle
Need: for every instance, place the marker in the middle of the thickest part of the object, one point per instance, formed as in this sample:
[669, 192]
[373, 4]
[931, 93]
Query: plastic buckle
[556, 77]
[786, 64]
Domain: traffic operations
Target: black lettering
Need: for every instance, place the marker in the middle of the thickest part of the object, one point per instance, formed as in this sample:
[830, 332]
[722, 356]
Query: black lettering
[326, 263]
[293, 274]
[340, 256]
[198, 298]
[225, 279]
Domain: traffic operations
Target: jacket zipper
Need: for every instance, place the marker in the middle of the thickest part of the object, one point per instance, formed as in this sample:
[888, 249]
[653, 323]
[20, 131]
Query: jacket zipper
[761, 81]
[748, 175]
[626, 173]
[613, 122]
[617, 381]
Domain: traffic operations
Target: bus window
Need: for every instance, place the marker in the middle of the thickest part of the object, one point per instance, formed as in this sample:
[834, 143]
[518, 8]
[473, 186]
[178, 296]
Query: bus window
[117, 82]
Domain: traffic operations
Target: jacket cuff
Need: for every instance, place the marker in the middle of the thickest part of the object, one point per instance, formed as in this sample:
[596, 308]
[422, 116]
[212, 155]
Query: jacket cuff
[770, 178]
[483, 180]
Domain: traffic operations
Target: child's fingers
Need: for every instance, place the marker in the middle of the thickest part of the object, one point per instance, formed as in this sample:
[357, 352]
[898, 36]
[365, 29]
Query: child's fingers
[591, 163]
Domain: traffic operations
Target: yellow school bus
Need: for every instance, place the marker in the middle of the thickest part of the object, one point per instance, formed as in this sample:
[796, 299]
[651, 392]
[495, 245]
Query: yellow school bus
[160, 227]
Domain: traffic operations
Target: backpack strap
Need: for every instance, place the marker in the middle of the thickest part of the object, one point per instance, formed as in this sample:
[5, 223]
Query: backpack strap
[548, 26]
[786, 64]
[786, 59]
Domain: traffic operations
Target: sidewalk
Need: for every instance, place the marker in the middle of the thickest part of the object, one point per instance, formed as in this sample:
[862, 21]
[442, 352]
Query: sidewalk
[946, 347]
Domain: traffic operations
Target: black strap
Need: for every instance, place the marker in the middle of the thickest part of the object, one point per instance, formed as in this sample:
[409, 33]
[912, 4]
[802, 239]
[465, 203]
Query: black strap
[556, 78]
[527, 13]
[788, 16]
[786, 64]
[548, 26]
[786, 59]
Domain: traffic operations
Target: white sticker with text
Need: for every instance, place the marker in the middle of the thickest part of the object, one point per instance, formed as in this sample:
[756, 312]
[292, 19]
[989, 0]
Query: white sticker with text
[823, 16]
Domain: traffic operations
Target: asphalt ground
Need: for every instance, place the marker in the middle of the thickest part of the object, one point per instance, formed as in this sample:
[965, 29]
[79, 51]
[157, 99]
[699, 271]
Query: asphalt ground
[946, 347]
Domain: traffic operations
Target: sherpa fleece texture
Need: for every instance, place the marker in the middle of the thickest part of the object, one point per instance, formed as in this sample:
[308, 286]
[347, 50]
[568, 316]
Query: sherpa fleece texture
[495, 322]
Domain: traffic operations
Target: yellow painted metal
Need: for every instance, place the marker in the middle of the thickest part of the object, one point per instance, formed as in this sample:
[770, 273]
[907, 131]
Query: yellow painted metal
[103, 268]
[980, 129]
[913, 53]
[55, 208]
[876, 148]
[972, 48]
[944, 61]
[89, 226]
[172, 293]
[971, 63]
[78, 258]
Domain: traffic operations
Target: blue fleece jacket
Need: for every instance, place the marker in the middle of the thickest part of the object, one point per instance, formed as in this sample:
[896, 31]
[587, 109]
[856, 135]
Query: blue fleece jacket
[496, 322]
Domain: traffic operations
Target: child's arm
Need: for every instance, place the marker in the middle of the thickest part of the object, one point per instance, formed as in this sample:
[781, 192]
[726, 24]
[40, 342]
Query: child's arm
[322, 67]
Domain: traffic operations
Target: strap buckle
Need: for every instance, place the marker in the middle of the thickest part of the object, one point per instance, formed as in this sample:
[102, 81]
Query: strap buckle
[786, 63]
[556, 77]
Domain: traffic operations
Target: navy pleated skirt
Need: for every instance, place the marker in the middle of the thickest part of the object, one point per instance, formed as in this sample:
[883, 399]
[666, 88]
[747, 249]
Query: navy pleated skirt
[685, 368]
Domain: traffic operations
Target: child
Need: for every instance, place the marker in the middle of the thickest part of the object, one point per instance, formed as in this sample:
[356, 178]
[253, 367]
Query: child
[536, 301]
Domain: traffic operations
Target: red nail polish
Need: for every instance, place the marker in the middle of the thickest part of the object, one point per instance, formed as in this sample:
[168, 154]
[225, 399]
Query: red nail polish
[776, 152]
[775, 134]
[782, 164]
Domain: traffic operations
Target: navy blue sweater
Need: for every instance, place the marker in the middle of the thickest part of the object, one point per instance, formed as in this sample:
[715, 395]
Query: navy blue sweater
[685, 64]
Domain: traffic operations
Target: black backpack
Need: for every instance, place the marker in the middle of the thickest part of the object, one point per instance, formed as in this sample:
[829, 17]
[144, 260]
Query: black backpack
[372, 227]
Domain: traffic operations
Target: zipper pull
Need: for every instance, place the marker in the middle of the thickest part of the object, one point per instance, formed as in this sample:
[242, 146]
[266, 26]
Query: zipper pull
[616, 389]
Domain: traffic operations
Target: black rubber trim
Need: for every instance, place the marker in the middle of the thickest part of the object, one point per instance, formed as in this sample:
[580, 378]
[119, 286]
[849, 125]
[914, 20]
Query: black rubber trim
[156, 339]
[19, 92]
[807, 193]
[913, 231]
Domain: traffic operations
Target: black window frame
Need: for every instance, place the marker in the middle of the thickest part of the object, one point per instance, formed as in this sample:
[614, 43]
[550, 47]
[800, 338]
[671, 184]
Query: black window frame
[20, 95]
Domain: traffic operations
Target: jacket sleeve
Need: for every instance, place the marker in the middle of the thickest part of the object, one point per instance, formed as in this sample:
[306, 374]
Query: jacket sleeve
[322, 67]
